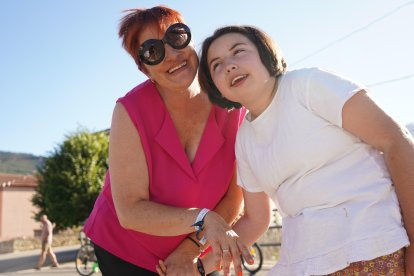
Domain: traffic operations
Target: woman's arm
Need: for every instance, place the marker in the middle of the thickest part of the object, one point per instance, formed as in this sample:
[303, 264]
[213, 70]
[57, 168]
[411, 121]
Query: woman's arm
[130, 185]
[362, 117]
[254, 222]
[130, 191]
[180, 262]
[230, 205]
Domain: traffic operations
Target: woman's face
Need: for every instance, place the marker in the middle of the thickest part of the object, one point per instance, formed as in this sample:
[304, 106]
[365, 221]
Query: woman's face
[178, 68]
[236, 68]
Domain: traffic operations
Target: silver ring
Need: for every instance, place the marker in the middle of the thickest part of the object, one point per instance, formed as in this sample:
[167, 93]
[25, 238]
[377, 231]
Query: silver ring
[225, 250]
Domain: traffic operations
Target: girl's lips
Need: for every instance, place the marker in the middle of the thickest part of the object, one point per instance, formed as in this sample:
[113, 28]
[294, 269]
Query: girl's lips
[237, 79]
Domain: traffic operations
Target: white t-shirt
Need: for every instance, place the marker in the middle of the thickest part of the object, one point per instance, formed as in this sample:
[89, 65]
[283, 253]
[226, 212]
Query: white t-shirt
[333, 191]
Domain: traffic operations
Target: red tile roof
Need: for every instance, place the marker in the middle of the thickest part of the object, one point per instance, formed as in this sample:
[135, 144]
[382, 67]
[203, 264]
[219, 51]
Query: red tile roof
[17, 180]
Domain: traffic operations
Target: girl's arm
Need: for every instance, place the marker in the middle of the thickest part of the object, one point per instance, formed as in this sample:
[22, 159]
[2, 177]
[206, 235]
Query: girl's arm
[362, 117]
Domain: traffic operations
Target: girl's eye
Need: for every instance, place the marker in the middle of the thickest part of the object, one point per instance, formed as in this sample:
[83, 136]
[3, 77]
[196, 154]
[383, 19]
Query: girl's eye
[238, 51]
[214, 66]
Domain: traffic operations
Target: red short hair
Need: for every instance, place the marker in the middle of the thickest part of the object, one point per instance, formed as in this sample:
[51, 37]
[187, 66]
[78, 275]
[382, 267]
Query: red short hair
[136, 20]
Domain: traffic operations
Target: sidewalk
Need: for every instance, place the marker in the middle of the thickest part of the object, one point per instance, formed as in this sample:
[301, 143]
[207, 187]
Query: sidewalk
[65, 269]
[6, 256]
[68, 269]
[23, 263]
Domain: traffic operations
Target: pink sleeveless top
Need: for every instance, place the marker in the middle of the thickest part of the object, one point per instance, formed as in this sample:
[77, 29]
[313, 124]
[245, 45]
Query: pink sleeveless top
[173, 180]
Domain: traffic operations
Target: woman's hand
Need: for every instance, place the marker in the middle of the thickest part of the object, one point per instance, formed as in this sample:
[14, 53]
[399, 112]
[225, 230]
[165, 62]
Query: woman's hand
[181, 260]
[162, 270]
[225, 243]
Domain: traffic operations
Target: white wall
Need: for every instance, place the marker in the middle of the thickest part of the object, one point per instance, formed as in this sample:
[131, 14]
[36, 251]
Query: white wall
[17, 213]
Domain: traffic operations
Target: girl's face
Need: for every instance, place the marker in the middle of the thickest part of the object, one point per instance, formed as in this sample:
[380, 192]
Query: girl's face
[179, 67]
[236, 68]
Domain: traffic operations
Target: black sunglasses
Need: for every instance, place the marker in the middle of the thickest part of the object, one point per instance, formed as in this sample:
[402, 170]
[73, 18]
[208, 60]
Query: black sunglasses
[152, 51]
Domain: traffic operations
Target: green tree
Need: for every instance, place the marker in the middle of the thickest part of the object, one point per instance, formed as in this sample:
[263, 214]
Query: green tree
[71, 178]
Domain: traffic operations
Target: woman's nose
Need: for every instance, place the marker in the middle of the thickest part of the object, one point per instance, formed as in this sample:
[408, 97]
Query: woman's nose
[170, 52]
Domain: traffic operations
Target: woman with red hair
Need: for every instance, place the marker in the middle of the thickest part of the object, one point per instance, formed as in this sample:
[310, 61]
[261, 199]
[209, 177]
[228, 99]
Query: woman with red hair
[171, 160]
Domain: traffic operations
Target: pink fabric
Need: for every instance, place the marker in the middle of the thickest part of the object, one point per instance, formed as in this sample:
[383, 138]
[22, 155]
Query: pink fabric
[172, 179]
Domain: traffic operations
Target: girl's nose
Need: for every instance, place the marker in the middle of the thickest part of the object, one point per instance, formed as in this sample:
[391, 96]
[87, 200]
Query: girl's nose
[231, 67]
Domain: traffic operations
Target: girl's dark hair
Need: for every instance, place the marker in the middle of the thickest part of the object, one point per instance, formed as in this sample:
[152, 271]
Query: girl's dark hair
[269, 53]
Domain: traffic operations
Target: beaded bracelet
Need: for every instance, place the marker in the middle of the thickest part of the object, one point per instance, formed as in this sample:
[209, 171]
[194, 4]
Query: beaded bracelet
[196, 243]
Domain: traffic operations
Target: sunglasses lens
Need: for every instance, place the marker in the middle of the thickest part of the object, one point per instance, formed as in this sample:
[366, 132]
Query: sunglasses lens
[152, 52]
[178, 36]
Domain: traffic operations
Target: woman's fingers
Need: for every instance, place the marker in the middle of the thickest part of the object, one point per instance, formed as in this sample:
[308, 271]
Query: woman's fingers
[236, 259]
[162, 265]
[230, 252]
[245, 252]
[225, 243]
[216, 250]
[226, 258]
[161, 269]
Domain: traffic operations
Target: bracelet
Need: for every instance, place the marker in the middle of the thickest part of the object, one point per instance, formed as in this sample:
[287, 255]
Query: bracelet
[196, 243]
[200, 267]
[203, 240]
[199, 222]
[200, 218]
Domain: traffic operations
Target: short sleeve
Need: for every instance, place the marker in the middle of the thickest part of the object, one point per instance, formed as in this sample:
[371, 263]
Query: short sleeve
[245, 176]
[327, 92]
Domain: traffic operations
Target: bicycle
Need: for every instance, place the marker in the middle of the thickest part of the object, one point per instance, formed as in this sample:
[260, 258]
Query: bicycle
[257, 254]
[86, 262]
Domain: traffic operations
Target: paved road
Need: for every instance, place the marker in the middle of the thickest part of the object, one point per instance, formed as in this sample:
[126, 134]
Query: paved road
[22, 264]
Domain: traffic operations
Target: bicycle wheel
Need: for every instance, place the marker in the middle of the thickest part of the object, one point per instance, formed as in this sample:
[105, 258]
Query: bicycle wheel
[257, 254]
[85, 260]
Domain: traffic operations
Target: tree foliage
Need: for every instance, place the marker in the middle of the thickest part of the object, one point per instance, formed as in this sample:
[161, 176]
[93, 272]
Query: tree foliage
[71, 178]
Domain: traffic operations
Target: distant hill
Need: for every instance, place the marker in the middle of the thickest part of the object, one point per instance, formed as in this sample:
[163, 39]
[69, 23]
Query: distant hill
[19, 163]
[23, 163]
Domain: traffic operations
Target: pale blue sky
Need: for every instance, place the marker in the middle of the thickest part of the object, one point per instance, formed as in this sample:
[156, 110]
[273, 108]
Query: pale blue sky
[62, 65]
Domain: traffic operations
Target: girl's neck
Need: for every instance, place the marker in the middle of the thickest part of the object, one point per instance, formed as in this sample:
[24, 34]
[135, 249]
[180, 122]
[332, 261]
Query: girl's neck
[260, 104]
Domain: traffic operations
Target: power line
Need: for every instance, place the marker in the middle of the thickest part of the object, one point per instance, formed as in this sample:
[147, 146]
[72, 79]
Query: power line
[392, 80]
[354, 32]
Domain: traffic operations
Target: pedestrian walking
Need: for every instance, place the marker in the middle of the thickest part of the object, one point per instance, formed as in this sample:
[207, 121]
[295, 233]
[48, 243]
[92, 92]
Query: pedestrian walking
[46, 239]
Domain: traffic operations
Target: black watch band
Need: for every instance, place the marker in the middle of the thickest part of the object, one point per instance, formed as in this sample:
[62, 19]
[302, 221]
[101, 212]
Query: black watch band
[200, 267]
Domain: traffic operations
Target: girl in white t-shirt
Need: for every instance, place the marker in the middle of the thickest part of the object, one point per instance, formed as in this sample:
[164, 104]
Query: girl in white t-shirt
[316, 144]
